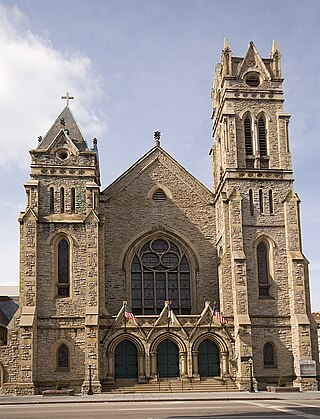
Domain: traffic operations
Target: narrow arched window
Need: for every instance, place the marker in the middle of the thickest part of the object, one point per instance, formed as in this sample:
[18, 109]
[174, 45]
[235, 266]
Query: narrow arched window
[248, 136]
[62, 200]
[261, 201]
[160, 272]
[63, 357]
[263, 269]
[63, 282]
[51, 200]
[251, 202]
[270, 201]
[262, 137]
[268, 355]
[73, 200]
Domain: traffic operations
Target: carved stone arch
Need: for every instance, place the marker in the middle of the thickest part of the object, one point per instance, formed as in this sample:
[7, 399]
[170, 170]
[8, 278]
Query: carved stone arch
[125, 336]
[247, 112]
[215, 338]
[170, 336]
[53, 239]
[157, 187]
[150, 234]
[265, 113]
[54, 350]
[267, 239]
[111, 352]
[254, 70]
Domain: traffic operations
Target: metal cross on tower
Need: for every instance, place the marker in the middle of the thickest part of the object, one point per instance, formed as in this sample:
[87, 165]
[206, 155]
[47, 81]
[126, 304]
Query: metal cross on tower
[67, 97]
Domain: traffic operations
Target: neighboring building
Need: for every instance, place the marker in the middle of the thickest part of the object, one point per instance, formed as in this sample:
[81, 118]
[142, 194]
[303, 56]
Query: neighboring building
[316, 317]
[7, 309]
[155, 235]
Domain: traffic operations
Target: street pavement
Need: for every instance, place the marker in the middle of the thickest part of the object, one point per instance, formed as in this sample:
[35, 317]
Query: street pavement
[161, 396]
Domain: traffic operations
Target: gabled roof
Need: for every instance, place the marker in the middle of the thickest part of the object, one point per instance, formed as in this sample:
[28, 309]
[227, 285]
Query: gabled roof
[152, 156]
[252, 60]
[67, 122]
[7, 309]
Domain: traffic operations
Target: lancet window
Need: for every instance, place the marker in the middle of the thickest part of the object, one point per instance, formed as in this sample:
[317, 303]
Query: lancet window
[63, 283]
[263, 269]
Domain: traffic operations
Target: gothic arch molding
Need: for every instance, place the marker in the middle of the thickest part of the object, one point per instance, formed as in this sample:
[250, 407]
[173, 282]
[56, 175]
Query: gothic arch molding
[170, 336]
[125, 336]
[54, 349]
[53, 239]
[151, 234]
[159, 186]
[215, 338]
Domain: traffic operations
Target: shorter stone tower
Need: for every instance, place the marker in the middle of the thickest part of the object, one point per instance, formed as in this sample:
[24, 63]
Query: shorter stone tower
[59, 284]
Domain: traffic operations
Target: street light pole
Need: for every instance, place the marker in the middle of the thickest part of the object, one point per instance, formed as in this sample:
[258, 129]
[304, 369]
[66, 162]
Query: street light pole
[251, 375]
[90, 392]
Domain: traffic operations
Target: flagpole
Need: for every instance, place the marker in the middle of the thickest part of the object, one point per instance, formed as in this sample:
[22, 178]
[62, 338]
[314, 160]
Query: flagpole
[125, 319]
[214, 308]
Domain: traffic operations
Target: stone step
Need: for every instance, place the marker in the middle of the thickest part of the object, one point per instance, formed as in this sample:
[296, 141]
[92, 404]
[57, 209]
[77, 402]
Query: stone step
[206, 385]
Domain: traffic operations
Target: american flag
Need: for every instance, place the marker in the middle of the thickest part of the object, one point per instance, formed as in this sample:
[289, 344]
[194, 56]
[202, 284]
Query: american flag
[170, 314]
[219, 317]
[129, 315]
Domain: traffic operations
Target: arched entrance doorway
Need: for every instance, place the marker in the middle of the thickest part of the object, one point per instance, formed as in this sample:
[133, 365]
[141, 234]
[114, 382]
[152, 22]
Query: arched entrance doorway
[126, 360]
[168, 359]
[209, 360]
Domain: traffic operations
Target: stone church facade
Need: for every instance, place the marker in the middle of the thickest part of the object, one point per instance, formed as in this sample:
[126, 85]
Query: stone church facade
[160, 243]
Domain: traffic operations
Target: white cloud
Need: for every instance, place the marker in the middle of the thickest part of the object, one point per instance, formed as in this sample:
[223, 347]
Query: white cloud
[33, 77]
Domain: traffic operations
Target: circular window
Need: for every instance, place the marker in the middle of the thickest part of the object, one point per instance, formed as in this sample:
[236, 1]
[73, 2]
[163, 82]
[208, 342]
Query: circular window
[62, 154]
[150, 260]
[170, 260]
[160, 246]
[252, 79]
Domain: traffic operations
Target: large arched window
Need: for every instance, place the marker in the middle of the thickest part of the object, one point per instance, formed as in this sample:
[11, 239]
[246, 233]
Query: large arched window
[263, 269]
[262, 136]
[248, 136]
[63, 280]
[160, 272]
[269, 355]
[63, 357]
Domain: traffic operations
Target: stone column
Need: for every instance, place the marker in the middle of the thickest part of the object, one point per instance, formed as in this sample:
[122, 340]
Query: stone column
[195, 372]
[183, 364]
[141, 370]
[153, 365]
[110, 363]
[225, 363]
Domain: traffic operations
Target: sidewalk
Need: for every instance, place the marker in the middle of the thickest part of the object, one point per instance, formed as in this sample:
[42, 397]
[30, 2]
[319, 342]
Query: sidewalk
[151, 397]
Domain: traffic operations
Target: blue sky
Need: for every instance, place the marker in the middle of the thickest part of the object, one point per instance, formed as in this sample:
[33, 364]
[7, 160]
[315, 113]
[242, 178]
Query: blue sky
[139, 66]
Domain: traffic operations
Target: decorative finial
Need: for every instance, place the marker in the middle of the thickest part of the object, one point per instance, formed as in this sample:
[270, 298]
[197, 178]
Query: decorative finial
[157, 135]
[95, 142]
[225, 43]
[39, 138]
[67, 97]
[274, 46]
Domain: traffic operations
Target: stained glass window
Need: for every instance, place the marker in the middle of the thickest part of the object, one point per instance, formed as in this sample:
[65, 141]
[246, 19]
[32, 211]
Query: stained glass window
[63, 357]
[268, 355]
[160, 272]
[63, 268]
[263, 269]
